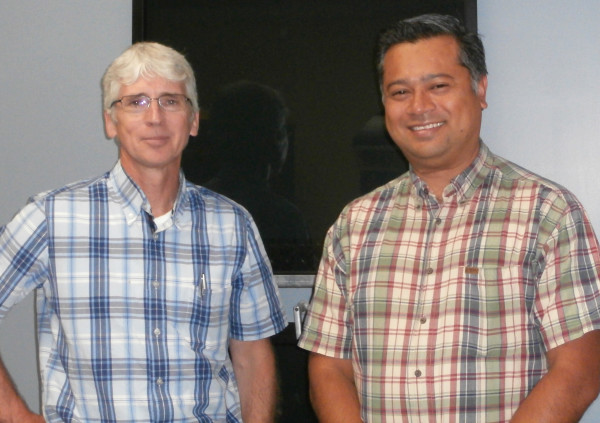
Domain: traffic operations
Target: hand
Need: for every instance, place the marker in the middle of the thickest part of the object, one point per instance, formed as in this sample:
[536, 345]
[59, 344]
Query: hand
[26, 417]
[12, 407]
[35, 418]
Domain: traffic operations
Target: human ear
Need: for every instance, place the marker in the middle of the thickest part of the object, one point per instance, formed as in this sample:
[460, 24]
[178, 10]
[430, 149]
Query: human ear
[110, 127]
[482, 91]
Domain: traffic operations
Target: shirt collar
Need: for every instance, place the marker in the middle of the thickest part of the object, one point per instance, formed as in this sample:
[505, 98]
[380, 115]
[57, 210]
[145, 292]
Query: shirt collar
[132, 198]
[464, 185]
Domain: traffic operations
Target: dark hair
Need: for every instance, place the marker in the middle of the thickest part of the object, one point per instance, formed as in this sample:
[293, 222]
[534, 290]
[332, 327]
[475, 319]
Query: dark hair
[471, 52]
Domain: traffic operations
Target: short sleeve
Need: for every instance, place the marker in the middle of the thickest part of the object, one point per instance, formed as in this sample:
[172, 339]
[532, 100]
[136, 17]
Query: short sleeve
[568, 294]
[327, 327]
[256, 310]
[23, 256]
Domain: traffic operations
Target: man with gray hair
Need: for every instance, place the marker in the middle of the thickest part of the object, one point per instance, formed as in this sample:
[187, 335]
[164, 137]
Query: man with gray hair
[465, 290]
[155, 297]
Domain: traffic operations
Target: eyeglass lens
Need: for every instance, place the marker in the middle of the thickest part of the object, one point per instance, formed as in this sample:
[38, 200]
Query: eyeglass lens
[168, 102]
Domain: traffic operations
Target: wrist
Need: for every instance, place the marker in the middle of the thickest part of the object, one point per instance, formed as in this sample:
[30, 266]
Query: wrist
[17, 413]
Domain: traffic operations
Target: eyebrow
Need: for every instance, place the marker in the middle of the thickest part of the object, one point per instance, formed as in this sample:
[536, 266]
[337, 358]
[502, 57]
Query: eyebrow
[425, 78]
[159, 95]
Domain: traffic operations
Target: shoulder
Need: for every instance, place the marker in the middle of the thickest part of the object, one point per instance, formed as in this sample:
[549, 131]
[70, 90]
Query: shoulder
[380, 199]
[519, 179]
[371, 210]
[554, 207]
[213, 203]
[37, 209]
[70, 190]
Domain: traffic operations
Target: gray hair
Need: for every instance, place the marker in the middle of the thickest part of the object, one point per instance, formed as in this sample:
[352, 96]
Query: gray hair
[147, 60]
[471, 53]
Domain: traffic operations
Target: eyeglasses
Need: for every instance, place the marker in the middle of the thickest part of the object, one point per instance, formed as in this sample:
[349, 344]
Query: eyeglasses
[140, 103]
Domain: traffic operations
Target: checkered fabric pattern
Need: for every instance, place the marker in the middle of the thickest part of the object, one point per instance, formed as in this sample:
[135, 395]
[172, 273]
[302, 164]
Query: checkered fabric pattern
[134, 320]
[447, 308]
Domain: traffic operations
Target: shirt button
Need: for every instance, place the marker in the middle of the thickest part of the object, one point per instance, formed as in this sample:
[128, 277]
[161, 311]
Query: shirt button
[429, 270]
[157, 332]
[438, 221]
[423, 319]
[159, 381]
[417, 373]
[155, 284]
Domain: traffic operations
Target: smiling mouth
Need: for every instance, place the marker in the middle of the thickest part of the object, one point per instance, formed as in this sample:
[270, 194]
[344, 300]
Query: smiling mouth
[156, 138]
[425, 127]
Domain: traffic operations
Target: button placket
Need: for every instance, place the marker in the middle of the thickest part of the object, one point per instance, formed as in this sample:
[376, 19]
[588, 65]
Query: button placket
[435, 227]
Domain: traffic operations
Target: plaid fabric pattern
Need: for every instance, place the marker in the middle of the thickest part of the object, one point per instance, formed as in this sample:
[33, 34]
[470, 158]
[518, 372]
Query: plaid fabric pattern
[447, 309]
[134, 322]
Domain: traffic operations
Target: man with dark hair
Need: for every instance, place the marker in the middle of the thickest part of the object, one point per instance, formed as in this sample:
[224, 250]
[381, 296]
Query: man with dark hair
[467, 289]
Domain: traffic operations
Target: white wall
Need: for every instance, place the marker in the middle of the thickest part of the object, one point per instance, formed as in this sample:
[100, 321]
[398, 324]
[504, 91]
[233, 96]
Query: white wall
[53, 54]
[544, 94]
[543, 113]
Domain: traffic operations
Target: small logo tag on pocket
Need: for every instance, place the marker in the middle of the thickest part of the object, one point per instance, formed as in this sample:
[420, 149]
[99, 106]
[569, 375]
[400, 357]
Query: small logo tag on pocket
[471, 270]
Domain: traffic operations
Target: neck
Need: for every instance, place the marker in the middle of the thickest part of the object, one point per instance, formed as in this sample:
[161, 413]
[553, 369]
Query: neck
[438, 174]
[435, 182]
[160, 185]
[438, 179]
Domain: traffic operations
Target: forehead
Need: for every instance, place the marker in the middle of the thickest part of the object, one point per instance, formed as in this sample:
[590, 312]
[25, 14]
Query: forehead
[153, 86]
[427, 56]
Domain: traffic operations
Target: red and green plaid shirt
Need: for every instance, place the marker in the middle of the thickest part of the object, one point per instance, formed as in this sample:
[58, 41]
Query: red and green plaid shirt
[447, 308]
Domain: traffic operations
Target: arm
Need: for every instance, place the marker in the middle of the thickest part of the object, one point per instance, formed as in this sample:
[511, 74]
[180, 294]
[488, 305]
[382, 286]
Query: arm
[570, 386]
[12, 406]
[254, 367]
[332, 389]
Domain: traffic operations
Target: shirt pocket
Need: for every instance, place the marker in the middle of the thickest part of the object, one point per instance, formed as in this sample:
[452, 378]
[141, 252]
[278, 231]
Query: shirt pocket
[209, 319]
[182, 297]
[494, 312]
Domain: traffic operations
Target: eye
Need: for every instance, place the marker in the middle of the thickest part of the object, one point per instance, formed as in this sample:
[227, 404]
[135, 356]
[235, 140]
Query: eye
[398, 93]
[136, 101]
[170, 100]
[440, 86]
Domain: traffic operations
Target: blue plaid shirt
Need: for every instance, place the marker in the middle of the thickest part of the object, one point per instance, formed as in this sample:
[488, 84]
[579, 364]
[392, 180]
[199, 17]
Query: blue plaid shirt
[134, 321]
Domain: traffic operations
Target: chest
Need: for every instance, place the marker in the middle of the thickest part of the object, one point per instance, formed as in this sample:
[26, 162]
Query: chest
[453, 259]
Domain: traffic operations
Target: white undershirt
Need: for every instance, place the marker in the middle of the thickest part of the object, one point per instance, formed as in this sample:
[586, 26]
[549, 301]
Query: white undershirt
[164, 222]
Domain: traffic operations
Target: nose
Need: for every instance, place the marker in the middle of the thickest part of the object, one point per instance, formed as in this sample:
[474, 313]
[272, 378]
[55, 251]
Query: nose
[154, 113]
[421, 102]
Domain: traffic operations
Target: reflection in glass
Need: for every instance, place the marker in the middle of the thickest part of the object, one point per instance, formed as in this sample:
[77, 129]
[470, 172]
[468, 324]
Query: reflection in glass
[248, 135]
[319, 54]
